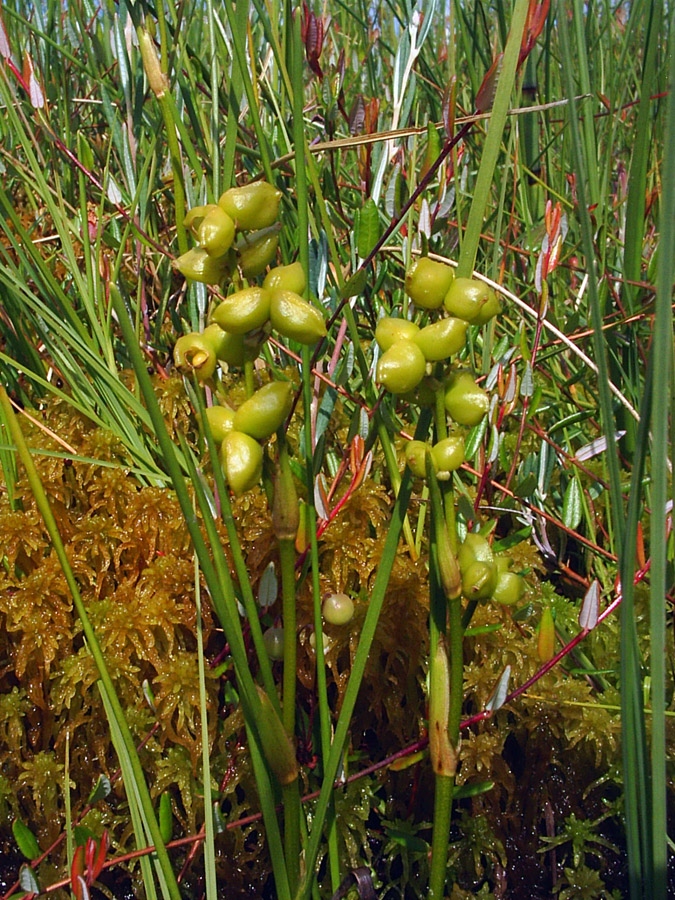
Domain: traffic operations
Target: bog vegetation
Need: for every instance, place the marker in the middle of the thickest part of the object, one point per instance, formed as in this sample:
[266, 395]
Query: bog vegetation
[336, 351]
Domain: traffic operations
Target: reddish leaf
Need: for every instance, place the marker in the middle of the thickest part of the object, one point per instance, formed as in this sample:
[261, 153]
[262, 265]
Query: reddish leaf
[486, 92]
[37, 97]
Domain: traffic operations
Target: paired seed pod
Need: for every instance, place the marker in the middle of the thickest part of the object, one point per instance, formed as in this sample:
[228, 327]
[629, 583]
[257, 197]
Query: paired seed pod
[286, 278]
[401, 367]
[427, 282]
[295, 318]
[472, 301]
[199, 265]
[242, 458]
[221, 422]
[212, 228]
[389, 331]
[244, 311]
[263, 413]
[253, 206]
[194, 353]
[466, 402]
[446, 456]
[257, 251]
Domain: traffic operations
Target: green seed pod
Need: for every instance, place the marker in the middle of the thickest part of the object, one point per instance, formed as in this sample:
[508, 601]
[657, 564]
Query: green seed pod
[388, 331]
[295, 318]
[466, 402]
[475, 549]
[338, 609]
[441, 751]
[221, 422]
[216, 338]
[216, 232]
[286, 278]
[427, 282]
[195, 216]
[479, 580]
[265, 411]
[257, 251]
[244, 311]
[415, 457]
[448, 455]
[441, 339]
[276, 744]
[252, 206]
[242, 458]
[273, 640]
[509, 588]
[199, 266]
[467, 298]
[401, 367]
[191, 353]
[491, 308]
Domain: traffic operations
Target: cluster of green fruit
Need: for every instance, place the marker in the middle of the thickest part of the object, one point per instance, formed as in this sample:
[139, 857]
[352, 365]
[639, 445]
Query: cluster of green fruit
[241, 323]
[485, 575]
[409, 352]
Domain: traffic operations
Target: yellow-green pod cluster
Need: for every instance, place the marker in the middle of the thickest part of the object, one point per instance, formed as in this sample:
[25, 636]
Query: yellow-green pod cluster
[214, 227]
[487, 576]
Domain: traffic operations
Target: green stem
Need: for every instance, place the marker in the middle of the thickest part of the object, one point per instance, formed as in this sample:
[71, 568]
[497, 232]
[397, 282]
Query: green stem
[287, 554]
[444, 789]
[168, 114]
[292, 812]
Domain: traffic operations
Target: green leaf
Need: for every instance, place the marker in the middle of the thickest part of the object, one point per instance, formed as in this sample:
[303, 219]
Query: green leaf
[101, 790]
[25, 840]
[572, 507]
[355, 285]
[367, 228]
[28, 880]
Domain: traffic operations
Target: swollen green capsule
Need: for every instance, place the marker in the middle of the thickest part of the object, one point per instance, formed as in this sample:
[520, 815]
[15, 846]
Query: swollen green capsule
[389, 330]
[244, 310]
[242, 458]
[192, 353]
[295, 318]
[479, 580]
[471, 300]
[212, 228]
[415, 457]
[257, 251]
[252, 206]
[286, 278]
[199, 266]
[265, 411]
[441, 339]
[401, 367]
[221, 422]
[509, 589]
[448, 455]
[475, 548]
[466, 402]
[427, 282]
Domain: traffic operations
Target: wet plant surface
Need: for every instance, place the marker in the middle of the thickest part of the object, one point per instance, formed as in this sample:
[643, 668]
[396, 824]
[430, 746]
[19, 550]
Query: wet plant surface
[336, 379]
